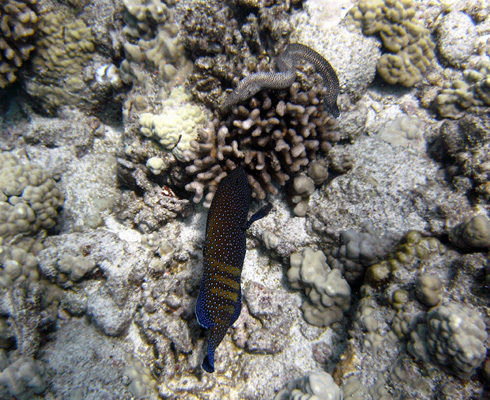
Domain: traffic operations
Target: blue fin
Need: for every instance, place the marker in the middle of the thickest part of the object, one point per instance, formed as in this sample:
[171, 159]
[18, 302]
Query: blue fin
[258, 215]
[238, 309]
[208, 365]
[201, 312]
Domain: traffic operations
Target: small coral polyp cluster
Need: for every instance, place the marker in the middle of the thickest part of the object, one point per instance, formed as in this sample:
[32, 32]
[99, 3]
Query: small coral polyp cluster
[458, 96]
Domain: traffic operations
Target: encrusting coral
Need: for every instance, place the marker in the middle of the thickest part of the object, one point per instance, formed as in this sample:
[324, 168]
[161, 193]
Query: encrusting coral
[17, 27]
[153, 50]
[464, 148]
[409, 46]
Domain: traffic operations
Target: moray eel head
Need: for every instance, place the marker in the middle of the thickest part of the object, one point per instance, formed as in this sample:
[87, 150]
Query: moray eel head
[247, 87]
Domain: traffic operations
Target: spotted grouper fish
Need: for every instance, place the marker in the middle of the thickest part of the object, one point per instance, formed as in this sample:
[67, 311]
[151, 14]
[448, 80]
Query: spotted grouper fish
[219, 302]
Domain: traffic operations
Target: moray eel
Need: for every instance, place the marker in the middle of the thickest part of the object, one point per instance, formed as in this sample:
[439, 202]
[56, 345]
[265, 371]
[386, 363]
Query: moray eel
[219, 301]
[286, 64]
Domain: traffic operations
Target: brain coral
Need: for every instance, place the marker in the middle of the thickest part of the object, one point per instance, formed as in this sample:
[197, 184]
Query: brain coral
[17, 26]
[409, 46]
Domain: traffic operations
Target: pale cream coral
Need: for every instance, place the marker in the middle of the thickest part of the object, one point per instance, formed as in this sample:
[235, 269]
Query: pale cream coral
[177, 125]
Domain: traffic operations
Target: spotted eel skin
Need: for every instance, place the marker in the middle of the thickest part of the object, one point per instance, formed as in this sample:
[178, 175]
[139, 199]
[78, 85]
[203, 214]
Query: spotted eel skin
[219, 301]
[286, 64]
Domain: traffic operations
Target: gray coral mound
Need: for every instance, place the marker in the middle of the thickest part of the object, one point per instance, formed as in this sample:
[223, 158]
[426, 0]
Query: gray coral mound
[28, 197]
[454, 336]
[457, 337]
[328, 293]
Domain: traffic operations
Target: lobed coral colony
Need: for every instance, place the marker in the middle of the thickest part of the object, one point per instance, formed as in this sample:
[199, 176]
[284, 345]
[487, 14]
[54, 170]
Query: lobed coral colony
[364, 131]
[17, 27]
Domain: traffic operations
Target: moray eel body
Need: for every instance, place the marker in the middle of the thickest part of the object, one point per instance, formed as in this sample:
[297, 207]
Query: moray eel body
[219, 301]
[286, 63]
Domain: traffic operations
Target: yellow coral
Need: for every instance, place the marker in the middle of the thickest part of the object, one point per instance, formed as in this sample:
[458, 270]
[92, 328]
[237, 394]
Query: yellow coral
[17, 24]
[65, 46]
[401, 34]
[459, 95]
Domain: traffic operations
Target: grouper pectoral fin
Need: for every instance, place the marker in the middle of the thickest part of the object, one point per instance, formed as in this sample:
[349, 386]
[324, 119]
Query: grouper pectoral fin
[258, 215]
